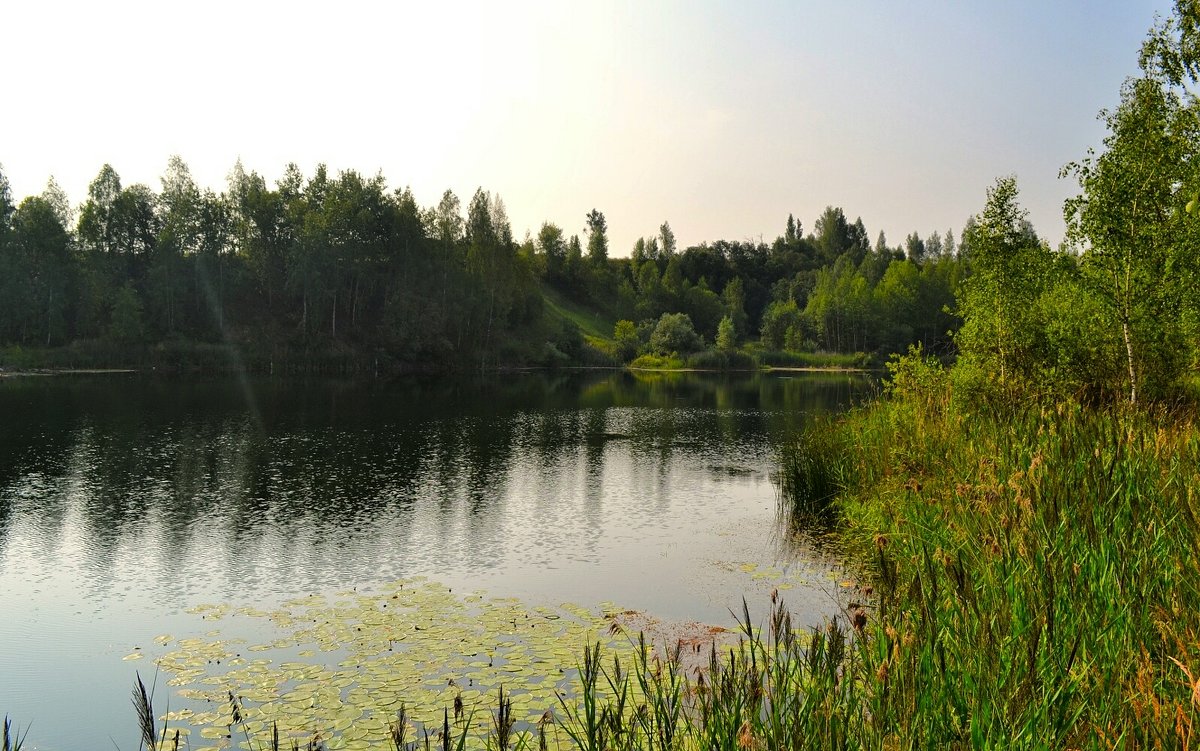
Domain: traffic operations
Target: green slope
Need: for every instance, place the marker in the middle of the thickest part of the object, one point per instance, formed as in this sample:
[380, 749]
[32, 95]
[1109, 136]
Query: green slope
[593, 324]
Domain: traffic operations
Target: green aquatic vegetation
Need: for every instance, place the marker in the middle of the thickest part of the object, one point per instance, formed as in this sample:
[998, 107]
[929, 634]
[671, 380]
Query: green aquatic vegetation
[776, 687]
[413, 643]
[772, 575]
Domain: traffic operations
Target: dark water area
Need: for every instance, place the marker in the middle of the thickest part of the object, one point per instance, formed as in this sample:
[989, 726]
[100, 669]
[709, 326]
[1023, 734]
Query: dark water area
[127, 500]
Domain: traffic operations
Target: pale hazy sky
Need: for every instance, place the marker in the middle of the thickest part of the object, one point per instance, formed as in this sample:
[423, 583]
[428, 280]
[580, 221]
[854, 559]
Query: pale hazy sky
[719, 117]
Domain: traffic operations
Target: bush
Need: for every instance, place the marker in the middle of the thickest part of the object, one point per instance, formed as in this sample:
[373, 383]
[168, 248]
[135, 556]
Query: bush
[625, 334]
[674, 333]
[777, 319]
[15, 358]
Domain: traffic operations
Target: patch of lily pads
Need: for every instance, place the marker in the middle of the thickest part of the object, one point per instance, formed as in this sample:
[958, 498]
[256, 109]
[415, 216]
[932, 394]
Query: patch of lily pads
[340, 667]
[783, 578]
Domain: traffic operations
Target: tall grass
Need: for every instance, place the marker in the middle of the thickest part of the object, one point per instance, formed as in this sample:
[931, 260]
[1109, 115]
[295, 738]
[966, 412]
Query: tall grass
[792, 359]
[714, 359]
[811, 478]
[1036, 568]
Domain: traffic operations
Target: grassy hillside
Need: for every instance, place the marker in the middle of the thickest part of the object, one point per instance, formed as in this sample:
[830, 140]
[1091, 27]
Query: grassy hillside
[596, 327]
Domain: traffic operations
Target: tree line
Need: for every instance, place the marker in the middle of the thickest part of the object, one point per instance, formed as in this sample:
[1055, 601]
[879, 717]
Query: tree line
[830, 290]
[321, 266]
[318, 264]
[312, 263]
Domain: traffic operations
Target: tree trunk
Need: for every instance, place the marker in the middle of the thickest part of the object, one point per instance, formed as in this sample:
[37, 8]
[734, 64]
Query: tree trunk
[1129, 360]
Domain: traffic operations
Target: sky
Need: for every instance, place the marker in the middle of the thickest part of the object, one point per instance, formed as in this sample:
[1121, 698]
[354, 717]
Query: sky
[719, 117]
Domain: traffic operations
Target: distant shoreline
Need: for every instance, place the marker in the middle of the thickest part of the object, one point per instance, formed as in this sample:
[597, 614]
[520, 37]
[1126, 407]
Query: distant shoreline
[764, 369]
[35, 372]
[63, 371]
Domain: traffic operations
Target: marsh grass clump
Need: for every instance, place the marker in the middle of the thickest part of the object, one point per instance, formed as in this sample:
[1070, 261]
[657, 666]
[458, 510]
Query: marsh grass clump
[785, 688]
[792, 359]
[812, 472]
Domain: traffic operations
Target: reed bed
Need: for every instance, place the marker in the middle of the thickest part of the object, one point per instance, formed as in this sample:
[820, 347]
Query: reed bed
[1034, 567]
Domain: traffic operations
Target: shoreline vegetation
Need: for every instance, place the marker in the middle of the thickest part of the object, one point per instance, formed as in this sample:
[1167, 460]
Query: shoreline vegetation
[630, 367]
[1033, 563]
[192, 357]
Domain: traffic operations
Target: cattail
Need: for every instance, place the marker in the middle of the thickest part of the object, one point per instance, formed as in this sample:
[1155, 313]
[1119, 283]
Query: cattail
[503, 721]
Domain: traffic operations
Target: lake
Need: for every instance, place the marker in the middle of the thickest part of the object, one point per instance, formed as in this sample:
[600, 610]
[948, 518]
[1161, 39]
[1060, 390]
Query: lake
[132, 507]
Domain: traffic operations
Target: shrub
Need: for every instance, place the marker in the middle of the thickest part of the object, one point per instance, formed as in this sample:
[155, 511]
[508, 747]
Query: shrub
[674, 333]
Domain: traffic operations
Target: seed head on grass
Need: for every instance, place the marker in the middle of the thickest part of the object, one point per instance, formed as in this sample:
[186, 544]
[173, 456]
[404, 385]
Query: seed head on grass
[547, 718]
[145, 713]
[400, 728]
[13, 740]
[503, 721]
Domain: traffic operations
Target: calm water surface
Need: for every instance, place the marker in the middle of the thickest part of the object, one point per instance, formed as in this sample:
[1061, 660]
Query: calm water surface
[125, 500]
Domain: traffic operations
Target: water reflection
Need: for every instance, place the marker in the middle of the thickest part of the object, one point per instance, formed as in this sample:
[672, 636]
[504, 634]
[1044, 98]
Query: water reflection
[123, 500]
[180, 452]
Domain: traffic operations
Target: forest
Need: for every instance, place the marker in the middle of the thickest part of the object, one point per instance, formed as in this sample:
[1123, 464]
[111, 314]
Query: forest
[324, 271]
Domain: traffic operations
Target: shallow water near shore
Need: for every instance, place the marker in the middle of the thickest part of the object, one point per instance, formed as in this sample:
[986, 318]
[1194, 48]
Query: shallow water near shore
[127, 501]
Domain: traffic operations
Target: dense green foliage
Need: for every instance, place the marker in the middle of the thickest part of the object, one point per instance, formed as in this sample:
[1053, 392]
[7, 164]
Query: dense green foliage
[828, 291]
[318, 264]
[320, 270]
[1117, 314]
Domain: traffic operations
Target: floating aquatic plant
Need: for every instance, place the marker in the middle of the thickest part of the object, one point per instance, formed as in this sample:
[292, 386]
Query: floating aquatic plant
[412, 644]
